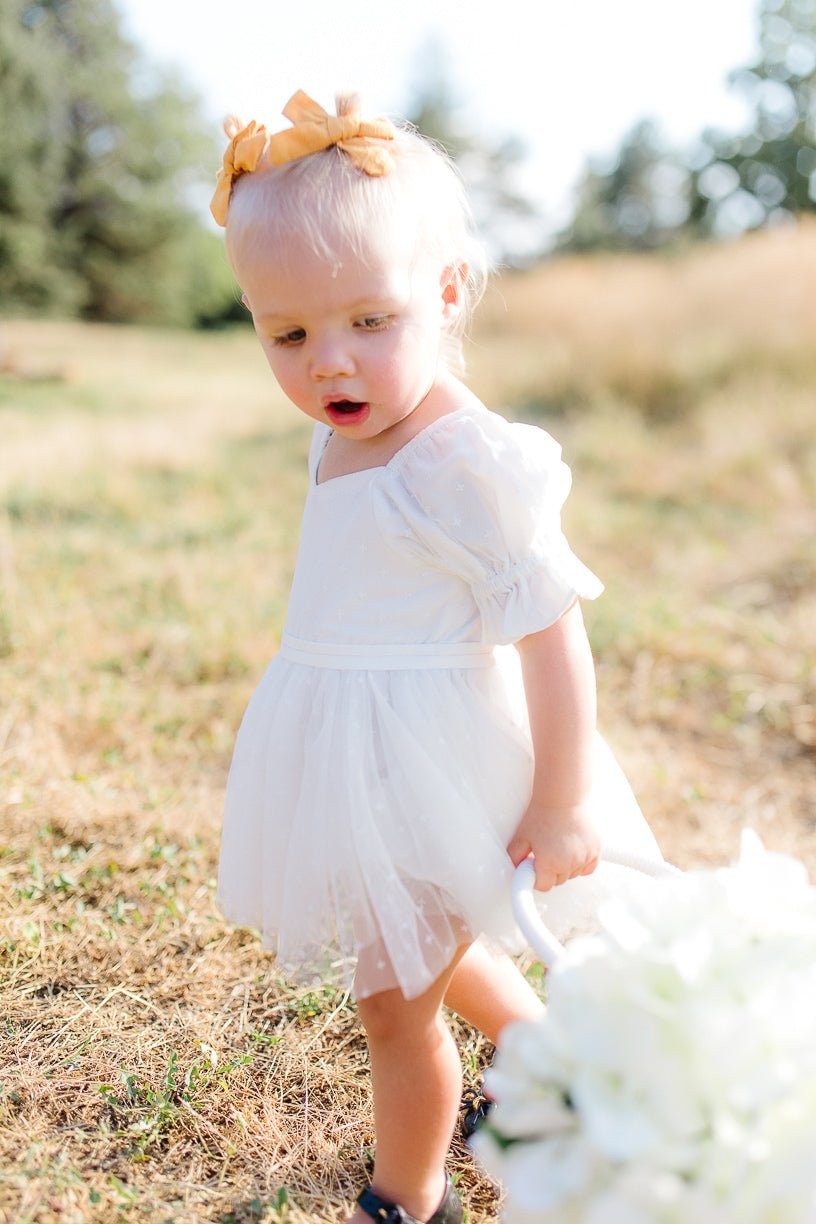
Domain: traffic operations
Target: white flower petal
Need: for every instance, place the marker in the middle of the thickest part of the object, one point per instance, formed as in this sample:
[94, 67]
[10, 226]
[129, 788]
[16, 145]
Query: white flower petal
[674, 1077]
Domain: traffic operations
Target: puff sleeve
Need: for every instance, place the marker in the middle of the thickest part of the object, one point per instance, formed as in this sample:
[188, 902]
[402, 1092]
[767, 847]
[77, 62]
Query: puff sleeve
[480, 497]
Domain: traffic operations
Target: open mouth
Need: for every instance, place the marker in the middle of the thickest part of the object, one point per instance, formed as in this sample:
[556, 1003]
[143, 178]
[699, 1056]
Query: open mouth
[347, 412]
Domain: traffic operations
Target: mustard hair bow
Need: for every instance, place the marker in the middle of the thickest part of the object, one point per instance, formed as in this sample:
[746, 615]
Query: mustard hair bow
[241, 156]
[313, 129]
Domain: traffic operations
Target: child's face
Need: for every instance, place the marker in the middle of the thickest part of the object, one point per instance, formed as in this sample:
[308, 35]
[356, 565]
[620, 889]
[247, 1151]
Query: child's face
[355, 346]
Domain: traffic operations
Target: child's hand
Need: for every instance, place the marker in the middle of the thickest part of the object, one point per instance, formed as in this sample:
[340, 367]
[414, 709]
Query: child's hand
[563, 842]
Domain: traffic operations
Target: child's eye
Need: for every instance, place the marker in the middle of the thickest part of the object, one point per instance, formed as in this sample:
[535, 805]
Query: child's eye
[375, 322]
[295, 336]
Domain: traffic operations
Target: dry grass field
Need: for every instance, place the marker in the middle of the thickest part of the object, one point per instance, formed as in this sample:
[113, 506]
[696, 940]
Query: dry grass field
[152, 1065]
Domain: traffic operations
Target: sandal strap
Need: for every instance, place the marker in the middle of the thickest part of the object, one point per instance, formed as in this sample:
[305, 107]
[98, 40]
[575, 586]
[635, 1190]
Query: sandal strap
[449, 1210]
[383, 1211]
[476, 1109]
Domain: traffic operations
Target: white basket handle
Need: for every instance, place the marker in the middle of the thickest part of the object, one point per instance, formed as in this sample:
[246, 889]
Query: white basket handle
[527, 915]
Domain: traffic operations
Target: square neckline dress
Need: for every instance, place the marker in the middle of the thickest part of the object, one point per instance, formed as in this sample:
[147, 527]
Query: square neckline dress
[384, 760]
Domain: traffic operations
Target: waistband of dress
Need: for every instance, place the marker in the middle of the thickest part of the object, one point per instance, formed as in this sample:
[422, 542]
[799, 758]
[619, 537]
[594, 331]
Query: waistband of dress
[345, 656]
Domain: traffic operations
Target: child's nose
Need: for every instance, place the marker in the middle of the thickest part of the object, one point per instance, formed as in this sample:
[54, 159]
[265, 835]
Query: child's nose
[331, 357]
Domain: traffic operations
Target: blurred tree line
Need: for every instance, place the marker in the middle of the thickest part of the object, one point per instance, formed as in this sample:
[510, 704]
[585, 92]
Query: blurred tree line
[648, 195]
[99, 160]
[103, 162]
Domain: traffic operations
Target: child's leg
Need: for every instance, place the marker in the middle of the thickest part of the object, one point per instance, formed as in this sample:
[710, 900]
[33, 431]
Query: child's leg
[489, 991]
[417, 1081]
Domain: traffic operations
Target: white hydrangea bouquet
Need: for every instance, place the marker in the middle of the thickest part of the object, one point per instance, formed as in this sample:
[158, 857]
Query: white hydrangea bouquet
[673, 1080]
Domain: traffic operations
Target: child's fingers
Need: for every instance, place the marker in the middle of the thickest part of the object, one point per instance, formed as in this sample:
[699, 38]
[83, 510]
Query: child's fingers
[546, 878]
[518, 849]
[556, 859]
[590, 866]
[555, 870]
[548, 873]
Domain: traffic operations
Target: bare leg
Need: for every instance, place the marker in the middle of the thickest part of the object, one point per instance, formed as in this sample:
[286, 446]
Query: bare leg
[489, 992]
[417, 1080]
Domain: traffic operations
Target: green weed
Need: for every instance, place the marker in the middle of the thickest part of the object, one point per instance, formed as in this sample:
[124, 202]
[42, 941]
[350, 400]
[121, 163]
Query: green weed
[145, 1114]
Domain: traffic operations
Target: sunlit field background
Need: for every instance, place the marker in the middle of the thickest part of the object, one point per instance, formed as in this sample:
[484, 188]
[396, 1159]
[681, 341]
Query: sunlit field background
[152, 1065]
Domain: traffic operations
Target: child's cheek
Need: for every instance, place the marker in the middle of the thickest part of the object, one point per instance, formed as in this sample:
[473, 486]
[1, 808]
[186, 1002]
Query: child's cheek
[292, 382]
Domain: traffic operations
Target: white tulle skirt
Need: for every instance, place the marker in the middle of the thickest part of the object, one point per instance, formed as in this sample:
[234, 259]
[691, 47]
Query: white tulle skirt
[368, 812]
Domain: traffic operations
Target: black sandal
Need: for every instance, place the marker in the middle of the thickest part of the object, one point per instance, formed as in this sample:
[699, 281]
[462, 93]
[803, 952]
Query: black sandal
[476, 1108]
[449, 1210]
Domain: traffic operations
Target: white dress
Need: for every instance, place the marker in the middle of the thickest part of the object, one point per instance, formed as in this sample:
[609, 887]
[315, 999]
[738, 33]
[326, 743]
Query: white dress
[384, 761]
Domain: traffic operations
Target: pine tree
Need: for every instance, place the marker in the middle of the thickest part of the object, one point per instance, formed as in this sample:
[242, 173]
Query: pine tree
[100, 158]
[769, 173]
[637, 202]
[31, 163]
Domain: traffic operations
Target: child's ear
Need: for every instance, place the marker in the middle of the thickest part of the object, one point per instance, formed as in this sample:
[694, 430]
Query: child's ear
[245, 301]
[452, 282]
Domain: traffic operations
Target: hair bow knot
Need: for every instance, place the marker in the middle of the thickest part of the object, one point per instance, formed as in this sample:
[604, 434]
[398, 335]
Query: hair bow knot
[313, 129]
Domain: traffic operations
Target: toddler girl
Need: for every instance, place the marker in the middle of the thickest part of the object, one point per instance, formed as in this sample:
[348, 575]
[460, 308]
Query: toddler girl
[391, 767]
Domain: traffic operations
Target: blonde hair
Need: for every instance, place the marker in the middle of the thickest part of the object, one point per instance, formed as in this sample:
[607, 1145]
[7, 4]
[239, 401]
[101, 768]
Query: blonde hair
[327, 201]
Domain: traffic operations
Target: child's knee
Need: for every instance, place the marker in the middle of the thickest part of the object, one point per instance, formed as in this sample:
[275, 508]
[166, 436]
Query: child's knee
[389, 1016]
[383, 1014]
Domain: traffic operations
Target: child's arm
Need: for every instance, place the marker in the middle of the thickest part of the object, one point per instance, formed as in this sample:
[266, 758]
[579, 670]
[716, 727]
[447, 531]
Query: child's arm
[559, 683]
